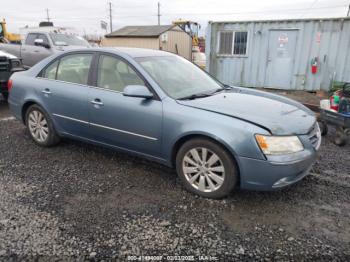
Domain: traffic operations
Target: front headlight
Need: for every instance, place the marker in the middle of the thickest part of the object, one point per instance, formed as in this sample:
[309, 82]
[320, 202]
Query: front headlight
[279, 145]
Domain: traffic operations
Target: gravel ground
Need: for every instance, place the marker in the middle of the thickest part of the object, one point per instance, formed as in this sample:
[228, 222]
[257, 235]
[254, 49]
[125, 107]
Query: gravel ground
[80, 202]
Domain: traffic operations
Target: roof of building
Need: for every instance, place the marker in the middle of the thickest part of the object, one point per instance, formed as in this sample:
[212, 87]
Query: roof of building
[279, 20]
[141, 31]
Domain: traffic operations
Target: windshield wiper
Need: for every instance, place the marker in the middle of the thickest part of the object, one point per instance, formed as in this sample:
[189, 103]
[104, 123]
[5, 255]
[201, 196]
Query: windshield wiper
[226, 87]
[201, 95]
[195, 96]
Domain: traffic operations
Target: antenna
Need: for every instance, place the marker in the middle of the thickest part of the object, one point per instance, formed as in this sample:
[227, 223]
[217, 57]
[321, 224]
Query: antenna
[159, 13]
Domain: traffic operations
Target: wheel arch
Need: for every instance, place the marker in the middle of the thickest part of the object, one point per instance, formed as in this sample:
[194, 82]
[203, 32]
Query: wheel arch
[25, 107]
[183, 139]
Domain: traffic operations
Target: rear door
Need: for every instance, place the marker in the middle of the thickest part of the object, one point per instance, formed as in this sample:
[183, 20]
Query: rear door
[65, 92]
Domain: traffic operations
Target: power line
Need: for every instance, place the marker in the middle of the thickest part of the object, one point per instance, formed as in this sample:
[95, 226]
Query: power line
[308, 9]
[233, 13]
[257, 12]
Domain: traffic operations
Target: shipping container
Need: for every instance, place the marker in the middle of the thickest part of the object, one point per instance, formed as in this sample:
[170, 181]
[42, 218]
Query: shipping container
[302, 54]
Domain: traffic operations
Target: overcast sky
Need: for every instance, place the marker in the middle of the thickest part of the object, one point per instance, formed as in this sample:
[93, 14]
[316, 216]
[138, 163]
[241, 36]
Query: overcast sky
[85, 15]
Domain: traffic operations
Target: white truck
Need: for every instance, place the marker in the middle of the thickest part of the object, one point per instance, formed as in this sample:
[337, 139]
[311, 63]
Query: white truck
[38, 45]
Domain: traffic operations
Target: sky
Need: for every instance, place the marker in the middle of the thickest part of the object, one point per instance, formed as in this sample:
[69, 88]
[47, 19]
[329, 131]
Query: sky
[86, 15]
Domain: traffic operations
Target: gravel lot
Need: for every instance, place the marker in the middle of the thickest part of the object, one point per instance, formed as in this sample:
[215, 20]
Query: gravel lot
[77, 201]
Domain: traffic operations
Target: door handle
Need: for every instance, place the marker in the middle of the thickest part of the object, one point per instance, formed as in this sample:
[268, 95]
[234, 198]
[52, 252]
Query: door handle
[46, 91]
[97, 102]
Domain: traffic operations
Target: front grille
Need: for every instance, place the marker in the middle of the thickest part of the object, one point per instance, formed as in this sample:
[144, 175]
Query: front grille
[4, 63]
[315, 136]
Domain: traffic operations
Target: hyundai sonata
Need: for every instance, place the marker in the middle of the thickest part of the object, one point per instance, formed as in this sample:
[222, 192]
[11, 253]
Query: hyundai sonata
[162, 107]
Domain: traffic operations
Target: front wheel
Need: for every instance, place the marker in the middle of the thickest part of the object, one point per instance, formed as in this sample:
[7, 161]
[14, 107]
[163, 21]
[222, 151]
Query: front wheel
[40, 127]
[206, 168]
[340, 137]
[323, 128]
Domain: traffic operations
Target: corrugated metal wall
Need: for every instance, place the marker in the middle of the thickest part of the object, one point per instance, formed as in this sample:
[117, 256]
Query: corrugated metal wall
[179, 43]
[327, 39]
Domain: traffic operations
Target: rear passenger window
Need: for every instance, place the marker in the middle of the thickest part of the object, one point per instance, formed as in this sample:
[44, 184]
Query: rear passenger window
[74, 68]
[50, 71]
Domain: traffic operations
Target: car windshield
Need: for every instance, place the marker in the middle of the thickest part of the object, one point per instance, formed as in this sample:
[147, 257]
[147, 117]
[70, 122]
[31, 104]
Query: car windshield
[178, 77]
[65, 40]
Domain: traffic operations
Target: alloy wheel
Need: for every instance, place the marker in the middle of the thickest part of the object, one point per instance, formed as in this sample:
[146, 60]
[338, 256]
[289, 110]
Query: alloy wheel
[38, 126]
[203, 169]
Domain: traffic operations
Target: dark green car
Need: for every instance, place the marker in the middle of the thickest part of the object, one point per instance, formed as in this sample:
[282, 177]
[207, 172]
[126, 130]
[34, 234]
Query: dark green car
[9, 64]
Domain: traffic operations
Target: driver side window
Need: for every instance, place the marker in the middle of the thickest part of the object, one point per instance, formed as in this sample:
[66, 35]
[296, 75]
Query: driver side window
[115, 74]
[44, 38]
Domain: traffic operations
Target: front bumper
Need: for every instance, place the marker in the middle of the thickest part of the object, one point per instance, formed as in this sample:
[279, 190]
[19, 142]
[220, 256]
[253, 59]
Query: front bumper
[271, 174]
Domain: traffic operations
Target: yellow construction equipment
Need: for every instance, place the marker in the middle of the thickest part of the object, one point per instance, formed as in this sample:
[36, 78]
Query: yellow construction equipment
[190, 27]
[4, 34]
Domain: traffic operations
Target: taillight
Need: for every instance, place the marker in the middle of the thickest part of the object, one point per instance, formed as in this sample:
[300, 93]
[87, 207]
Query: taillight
[9, 85]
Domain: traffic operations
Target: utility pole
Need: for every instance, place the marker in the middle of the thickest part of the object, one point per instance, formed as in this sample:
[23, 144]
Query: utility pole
[158, 13]
[47, 15]
[110, 17]
[348, 11]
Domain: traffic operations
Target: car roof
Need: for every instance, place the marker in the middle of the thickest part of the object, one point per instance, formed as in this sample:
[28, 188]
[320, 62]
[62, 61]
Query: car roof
[133, 52]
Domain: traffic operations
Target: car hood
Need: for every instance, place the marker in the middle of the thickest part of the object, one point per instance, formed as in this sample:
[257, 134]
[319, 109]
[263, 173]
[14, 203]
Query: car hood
[3, 53]
[277, 114]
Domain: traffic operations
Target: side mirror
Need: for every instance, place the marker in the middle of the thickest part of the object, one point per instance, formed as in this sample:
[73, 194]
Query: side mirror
[40, 42]
[137, 91]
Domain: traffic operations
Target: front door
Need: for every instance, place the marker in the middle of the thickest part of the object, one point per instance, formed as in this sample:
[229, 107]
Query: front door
[131, 123]
[32, 54]
[281, 57]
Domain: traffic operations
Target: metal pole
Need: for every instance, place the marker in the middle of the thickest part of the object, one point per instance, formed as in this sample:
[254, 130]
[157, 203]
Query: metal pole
[158, 13]
[47, 15]
[348, 11]
[110, 17]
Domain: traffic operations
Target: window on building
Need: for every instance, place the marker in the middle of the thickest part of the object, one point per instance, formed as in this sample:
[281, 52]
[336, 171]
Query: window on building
[225, 43]
[233, 43]
[240, 43]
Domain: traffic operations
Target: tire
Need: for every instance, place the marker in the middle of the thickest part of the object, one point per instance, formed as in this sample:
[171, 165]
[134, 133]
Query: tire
[5, 96]
[340, 137]
[37, 114]
[210, 179]
[323, 127]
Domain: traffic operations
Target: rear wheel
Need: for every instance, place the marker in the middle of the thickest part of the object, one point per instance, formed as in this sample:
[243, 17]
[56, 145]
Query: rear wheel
[206, 168]
[5, 96]
[40, 127]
